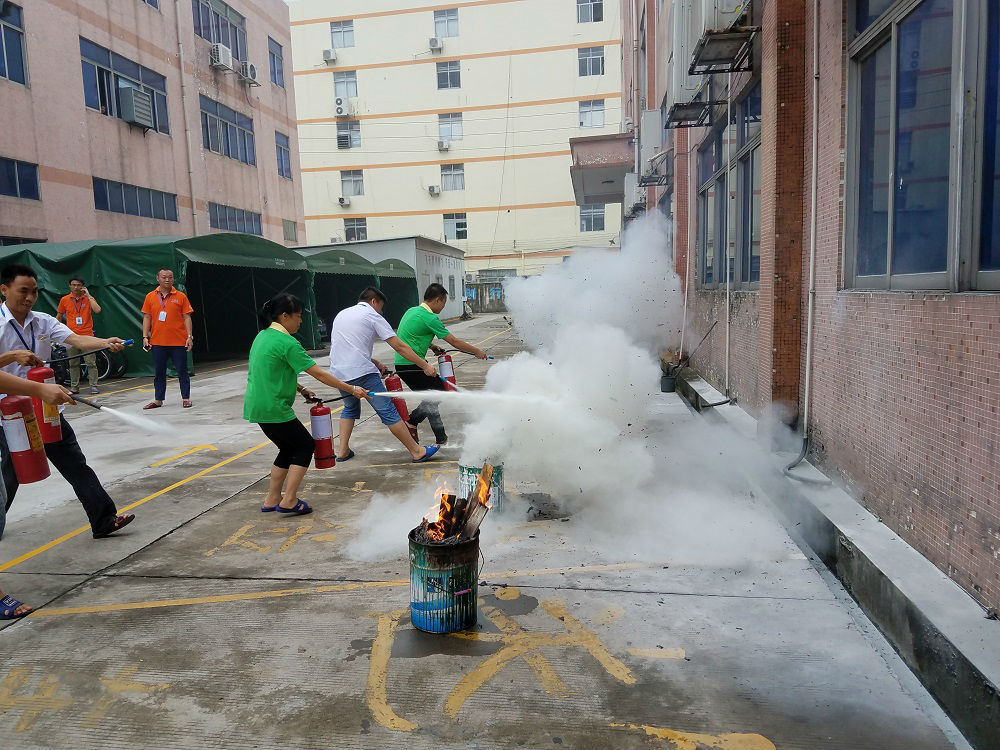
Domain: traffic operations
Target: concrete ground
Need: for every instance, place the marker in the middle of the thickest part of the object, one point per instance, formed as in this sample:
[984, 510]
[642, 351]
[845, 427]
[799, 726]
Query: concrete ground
[206, 624]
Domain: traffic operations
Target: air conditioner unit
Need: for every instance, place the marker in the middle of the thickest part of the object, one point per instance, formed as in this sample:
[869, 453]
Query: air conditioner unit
[248, 71]
[435, 44]
[344, 201]
[470, 278]
[434, 190]
[221, 56]
[444, 145]
[343, 107]
[330, 55]
[343, 140]
[137, 107]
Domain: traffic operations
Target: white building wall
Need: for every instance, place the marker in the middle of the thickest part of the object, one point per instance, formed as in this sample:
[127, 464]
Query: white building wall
[518, 198]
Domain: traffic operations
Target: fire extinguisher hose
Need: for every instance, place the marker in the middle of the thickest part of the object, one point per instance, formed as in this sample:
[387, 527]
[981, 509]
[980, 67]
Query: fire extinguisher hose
[128, 342]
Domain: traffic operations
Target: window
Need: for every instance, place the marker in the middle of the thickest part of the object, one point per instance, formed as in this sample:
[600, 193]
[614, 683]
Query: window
[446, 23]
[451, 287]
[455, 227]
[345, 84]
[227, 132]
[591, 61]
[234, 219]
[276, 59]
[989, 254]
[589, 10]
[106, 75]
[217, 22]
[19, 179]
[352, 182]
[355, 230]
[120, 198]
[921, 193]
[453, 177]
[349, 134]
[341, 34]
[449, 75]
[6, 240]
[154, 3]
[592, 217]
[284, 152]
[592, 113]
[289, 230]
[12, 65]
[450, 126]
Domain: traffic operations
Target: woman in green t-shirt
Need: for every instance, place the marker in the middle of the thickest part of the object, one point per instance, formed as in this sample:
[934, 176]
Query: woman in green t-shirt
[276, 359]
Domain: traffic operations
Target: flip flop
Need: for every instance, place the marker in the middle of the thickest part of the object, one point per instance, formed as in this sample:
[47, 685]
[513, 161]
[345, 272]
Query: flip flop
[265, 509]
[431, 450]
[9, 605]
[186, 403]
[150, 405]
[120, 522]
[301, 508]
[348, 457]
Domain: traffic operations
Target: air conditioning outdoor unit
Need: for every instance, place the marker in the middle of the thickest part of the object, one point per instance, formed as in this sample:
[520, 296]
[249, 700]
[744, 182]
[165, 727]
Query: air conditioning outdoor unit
[444, 145]
[137, 107]
[344, 201]
[221, 56]
[343, 107]
[435, 44]
[330, 55]
[434, 190]
[248, 72]
[343, 140]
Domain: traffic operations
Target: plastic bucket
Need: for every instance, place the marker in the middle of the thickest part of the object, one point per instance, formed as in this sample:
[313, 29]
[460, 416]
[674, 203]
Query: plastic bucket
[468, 476]
[444, 585]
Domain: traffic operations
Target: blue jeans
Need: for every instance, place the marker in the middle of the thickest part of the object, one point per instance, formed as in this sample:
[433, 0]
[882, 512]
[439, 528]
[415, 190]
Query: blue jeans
[383, 406]
[161, 354]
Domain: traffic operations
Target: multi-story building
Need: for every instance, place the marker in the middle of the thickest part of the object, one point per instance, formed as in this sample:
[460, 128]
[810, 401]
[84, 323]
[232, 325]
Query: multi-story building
[130, 118]
[453, 122]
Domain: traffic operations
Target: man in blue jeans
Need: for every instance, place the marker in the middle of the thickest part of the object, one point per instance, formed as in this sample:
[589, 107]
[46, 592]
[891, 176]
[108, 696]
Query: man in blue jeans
[352, 338]
[167, 330]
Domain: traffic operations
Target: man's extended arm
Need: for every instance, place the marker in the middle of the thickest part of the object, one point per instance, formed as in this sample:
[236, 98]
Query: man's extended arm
[465, 346]
[86, 343]
[404, 350]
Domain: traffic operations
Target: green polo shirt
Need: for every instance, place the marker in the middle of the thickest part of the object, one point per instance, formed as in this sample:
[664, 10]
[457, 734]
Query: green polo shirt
[418, 328]
[276, 359]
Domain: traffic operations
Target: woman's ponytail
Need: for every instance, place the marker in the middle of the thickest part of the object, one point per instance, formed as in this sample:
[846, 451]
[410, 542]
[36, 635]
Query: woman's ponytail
[277, 306]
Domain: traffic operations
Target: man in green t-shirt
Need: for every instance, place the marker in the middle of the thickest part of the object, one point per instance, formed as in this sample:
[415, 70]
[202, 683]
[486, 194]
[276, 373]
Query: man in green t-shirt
[418, 328]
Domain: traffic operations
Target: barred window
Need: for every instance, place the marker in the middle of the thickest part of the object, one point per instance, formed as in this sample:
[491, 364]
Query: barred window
[352, 182]
[355, 230]
[234, 219]
[449, 75]
[592, 217]
[349, 134]
[106, 74]
[121, 198]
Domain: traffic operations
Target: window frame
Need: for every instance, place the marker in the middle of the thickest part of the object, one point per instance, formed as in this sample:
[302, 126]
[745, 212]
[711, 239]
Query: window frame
[109, 74]
[208, 20]
[276, 62]
[586, 56]
[453, 70]
[215, 120]
[343, 29]
[453, 175]
[355, 230]
[587, 108]
[17, 165]
[6, 25]
[289, 227]
[352, 129]
[347, 79]
[234, 218]
[355, 178]
[458, 225]
[591, 6]
[590, 213]
[166, 201]
[283, 152]
[447, 17]
[449, 120]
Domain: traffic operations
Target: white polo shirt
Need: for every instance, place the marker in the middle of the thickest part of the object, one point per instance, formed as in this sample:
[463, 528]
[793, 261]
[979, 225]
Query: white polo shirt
[39, 333]
[351, 340]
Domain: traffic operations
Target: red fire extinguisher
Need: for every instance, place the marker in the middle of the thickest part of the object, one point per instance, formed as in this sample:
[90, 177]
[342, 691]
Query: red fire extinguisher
[393, 383]
[447, 371]
[322, 432]
[47, 415]
[24, 441]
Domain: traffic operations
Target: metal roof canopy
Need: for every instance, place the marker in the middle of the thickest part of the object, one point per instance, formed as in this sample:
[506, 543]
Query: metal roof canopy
[723, 51]
[691, 114]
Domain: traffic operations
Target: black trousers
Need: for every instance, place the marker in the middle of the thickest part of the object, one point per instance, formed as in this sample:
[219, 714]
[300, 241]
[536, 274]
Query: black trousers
[417, 380]
[295, 444]
[69, 461]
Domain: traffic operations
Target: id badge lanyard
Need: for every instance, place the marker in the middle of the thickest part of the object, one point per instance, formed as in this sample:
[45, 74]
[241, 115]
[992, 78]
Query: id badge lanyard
[162, 317]
[79, 309]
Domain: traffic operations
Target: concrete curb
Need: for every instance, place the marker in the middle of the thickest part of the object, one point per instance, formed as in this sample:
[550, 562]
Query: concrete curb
[938, 630]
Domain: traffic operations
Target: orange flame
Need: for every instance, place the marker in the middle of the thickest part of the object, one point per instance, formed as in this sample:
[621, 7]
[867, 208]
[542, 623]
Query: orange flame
[437, 513]
[483, 492]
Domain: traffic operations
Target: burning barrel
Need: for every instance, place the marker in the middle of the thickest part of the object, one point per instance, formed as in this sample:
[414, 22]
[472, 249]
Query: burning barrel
[444, 582]
[469, 475]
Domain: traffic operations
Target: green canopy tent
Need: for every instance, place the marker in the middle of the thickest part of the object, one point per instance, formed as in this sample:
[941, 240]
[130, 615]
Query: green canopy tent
[399, 283]
[338, 278]
[226, 276]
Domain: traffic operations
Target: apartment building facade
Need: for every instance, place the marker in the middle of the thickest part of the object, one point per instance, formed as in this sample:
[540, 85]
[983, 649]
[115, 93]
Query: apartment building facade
[832, 179]
[453, 122]
[130, 118]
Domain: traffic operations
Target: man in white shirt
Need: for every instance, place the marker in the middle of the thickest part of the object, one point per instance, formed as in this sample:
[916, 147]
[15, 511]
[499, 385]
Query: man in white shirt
[352, 338]
[26, 338]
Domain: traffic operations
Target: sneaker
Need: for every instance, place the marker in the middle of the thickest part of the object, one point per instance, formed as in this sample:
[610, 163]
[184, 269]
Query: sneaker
[95, 390]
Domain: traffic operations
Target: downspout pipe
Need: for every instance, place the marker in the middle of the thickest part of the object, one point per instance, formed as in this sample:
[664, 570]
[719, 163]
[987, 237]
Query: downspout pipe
[728, 134]
[811, 299]
[187, 120]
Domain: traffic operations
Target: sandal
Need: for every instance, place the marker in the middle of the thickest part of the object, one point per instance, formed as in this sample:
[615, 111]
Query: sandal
[265, 509]
[119, 523]
[348, 457]
[150, 405]
[9, 606]
[301, 509]
[186, 403]
[429, 450]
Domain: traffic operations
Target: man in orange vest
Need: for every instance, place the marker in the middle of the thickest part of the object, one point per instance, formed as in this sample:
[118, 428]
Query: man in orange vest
[167, 331]
[75, 310]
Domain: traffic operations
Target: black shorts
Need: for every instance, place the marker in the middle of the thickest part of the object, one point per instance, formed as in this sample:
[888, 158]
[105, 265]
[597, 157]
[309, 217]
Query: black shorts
[417, 380]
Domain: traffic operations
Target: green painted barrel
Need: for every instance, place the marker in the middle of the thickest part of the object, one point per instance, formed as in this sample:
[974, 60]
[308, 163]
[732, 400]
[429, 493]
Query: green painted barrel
[444, 585]
[469, 475]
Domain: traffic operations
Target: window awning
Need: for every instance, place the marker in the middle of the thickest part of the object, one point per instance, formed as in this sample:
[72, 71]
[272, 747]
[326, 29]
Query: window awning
[723, 51]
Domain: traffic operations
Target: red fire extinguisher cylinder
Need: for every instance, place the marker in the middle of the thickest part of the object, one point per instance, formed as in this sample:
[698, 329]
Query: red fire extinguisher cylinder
[24, 441]
[446, 368]
[321, 420]
[393, 383]
[47, 415]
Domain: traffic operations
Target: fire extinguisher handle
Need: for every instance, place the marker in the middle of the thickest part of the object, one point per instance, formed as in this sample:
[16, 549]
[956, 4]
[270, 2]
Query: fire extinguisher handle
[128, 342]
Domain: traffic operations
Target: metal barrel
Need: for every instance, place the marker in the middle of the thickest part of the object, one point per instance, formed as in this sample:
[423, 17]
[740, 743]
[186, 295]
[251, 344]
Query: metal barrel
[444, 585]
[469, 475]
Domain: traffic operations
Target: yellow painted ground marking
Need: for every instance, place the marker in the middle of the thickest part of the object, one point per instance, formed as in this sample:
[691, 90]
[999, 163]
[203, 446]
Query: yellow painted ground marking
[240, 537]
[298, 534]
[692, 741]
[76, 532]
[277, 593]
[31, 706]
[147, 387]
[358, 487]
[507, 593]
[262, 473]
[238, 540]
[187, 451]
[122, 682]
[376, 692]
[608, 616]
[538, 663]
[658, 653]
[589, 640]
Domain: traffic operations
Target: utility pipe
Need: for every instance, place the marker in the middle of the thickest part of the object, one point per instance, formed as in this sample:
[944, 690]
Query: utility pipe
[723, 231]
[187, 120]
